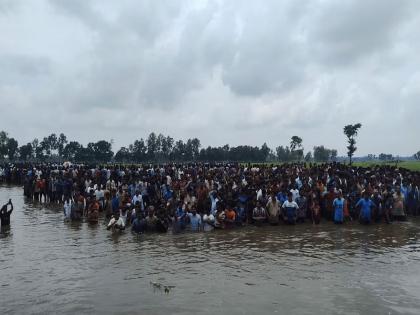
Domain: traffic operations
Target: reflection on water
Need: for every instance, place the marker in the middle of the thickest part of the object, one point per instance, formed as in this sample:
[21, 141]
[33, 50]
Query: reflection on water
[47, 265]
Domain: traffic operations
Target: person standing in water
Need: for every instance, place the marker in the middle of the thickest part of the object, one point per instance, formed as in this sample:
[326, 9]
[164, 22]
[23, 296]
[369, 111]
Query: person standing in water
[338, 206]
[5, 214]
[273, 210]
[290, 208]
[67, 208]
[366, 205]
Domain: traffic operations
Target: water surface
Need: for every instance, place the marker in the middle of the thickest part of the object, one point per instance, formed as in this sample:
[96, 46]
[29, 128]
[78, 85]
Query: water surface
[51, 266]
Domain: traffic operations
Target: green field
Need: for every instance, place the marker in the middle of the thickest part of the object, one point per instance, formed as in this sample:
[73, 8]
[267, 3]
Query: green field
[410, 165]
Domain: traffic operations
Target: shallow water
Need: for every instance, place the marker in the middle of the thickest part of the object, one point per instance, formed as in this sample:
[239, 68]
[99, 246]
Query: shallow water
[50, 266]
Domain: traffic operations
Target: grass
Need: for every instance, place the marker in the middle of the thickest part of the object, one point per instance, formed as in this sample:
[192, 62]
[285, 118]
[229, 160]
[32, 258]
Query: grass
[410, 165]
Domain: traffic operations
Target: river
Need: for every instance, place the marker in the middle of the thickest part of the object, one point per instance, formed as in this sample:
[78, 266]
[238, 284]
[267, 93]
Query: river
[51, 266]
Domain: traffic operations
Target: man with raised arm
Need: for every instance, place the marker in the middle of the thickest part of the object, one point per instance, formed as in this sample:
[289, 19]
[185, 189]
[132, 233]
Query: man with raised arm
[5, 213]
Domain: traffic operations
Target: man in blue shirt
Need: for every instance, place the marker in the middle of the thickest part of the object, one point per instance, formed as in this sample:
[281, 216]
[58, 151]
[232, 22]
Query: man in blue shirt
[180, 217]
[195, 220]
[115, 203]
[281, 197]
[240, 214]
[168, 193]
[366, 205]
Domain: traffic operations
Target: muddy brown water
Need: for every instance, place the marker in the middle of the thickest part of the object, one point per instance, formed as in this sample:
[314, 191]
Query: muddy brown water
[50, 266]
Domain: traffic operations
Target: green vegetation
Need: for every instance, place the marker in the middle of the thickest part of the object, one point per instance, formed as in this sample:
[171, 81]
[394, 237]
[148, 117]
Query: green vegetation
[351, 132]
[410, 165]
[157, 148]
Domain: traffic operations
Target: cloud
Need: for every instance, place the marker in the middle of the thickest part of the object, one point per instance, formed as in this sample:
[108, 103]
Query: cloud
[18, 68]
[225, 71]
[346, 31]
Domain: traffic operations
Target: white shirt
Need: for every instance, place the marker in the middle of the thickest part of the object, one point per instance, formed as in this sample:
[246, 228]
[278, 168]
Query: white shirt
[208, 221]
[140, 199]
[118, 223]
[123, 217]
[99, 194]
[259, 194]
[295, 193]
[288, 204]
[67, 209]
[87, 185]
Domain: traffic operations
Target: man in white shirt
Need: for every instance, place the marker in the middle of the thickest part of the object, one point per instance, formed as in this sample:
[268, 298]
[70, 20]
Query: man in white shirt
[116, 222]
[99, 193]
[67, 208]
[290, 208]
[295, 193]
[208, 222]
[139, 198]
[273, 209]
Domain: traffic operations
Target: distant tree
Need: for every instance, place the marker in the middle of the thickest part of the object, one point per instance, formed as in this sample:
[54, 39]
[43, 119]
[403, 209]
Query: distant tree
[123, 155]
[48, 147]
[178, 151]
[385, 157]
[244, 153]
[85, 154]
[8, 146]
[321, 154]
[296, 148]
[12, 148]
[191, 149]
[195, 148]
[417, 155]
[272, 156]
[139, 150]
[152, 146]
[35, 147]
[61, 143]
[71, 150]
[160, 142]
[283, 154]
[224, 153]
[351, 132]
[295, 143]
[308, 157]
[371, 157]
[53, 142]
[333, 155]
[40, 148]
[25, 151]
[167, 145]
[100, 150]
[3, 144]
[265, 151]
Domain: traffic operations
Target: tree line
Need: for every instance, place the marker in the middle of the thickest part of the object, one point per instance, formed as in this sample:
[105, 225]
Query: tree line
[161, 148]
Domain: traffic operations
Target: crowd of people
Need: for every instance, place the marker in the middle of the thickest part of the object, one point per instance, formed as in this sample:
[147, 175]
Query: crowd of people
[202, 197]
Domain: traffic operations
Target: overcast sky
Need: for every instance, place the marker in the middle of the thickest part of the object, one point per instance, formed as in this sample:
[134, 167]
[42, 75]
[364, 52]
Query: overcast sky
[236, 72]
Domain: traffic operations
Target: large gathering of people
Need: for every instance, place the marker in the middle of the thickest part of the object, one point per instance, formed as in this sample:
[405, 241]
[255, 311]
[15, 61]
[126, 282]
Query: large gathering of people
[202, 197]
